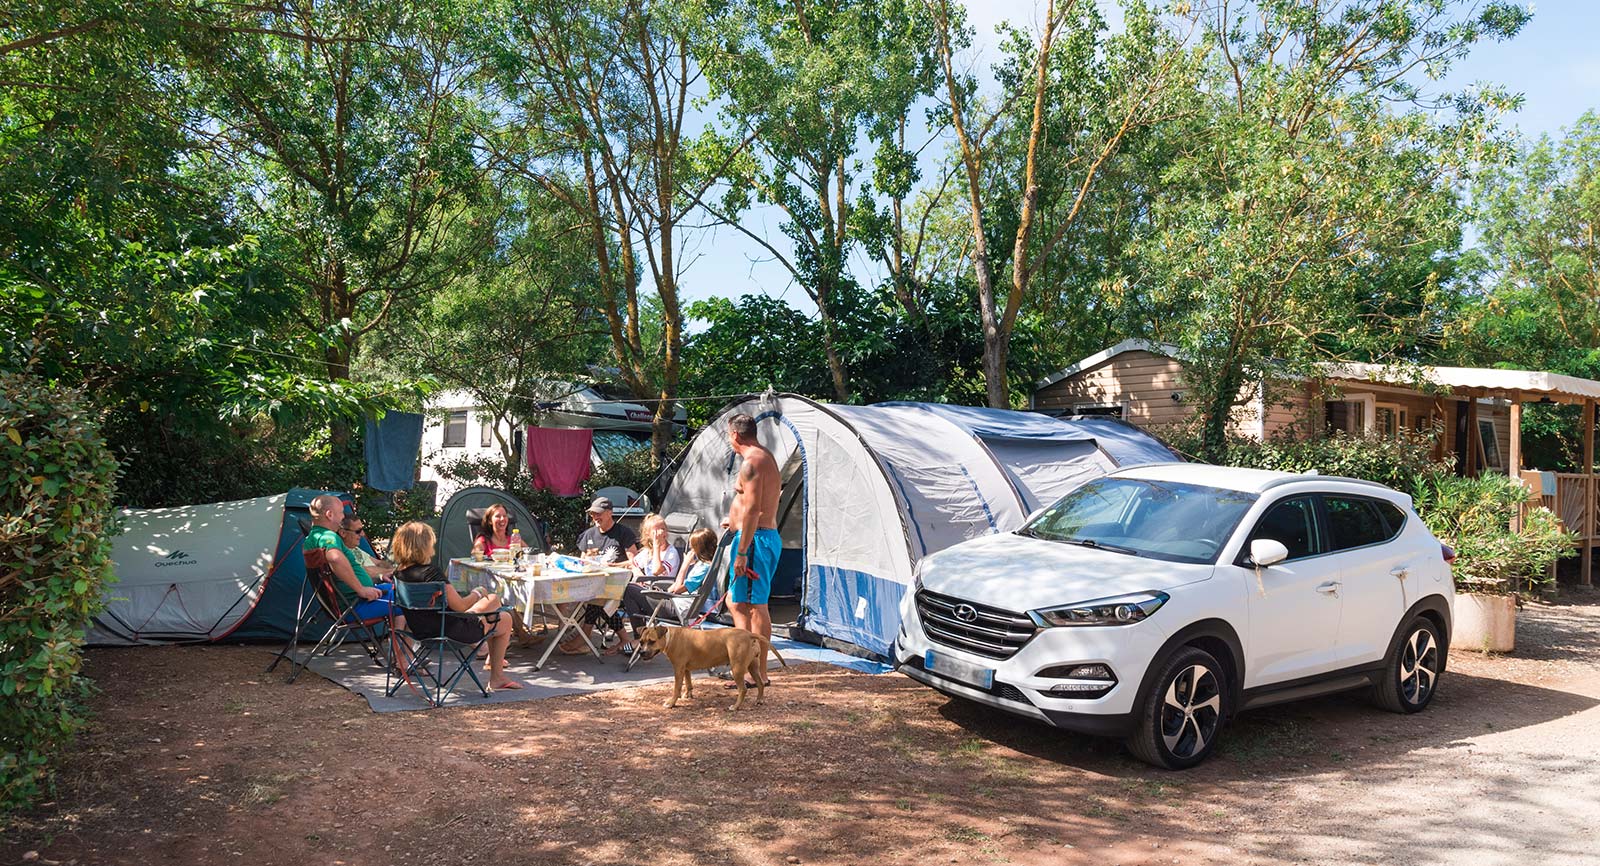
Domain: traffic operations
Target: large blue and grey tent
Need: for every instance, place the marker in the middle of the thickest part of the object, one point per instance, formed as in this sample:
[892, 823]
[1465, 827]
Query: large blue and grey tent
[223, 570]
[870, 490]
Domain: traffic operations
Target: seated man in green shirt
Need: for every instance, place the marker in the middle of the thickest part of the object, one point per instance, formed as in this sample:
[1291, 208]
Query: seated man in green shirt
[351, 531]
[352, 581]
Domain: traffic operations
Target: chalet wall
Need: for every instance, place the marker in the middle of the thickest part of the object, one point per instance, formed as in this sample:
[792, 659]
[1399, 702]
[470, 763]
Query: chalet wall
[1144, 382]
[1141, 382]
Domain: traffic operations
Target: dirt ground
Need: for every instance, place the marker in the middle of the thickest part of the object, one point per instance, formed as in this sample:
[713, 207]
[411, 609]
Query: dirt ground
[195, 757]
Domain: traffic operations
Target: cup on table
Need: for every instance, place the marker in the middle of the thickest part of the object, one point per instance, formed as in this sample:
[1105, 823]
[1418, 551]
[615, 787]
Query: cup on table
[477, 554]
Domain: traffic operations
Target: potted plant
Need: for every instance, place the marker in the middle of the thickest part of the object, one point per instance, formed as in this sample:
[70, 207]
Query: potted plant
[1496, 565]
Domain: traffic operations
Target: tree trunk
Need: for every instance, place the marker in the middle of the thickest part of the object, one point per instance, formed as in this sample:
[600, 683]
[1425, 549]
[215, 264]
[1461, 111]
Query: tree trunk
[841, 382]
[1214, 433]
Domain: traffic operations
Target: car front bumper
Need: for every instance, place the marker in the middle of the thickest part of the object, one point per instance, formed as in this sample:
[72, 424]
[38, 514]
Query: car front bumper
[1018, 688]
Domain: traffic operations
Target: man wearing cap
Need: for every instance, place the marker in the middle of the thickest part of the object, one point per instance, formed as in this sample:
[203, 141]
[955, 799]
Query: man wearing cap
[612, 543]
[615, 542]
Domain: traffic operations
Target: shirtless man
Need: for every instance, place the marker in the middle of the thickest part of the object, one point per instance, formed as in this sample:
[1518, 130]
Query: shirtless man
[754, 518]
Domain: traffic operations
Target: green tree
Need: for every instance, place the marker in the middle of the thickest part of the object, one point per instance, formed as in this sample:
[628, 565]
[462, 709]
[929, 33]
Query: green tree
[341, 134]
[1536, 301]
[504, 332]
[598, 96]
[749, 345]
[809, 84]
[1317, 162]
[1071, 103]
[121, 273]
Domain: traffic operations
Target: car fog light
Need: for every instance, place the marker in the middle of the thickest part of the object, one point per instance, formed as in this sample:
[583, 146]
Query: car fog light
[1078, 672]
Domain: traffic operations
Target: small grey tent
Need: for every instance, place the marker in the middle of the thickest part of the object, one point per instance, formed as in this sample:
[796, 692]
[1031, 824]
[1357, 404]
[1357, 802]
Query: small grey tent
[455, 534]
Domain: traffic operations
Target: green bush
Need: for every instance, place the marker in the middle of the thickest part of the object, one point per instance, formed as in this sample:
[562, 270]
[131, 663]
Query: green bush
[564, 516]
[1474, 516]
[1395, 462]
[57, 480]
[383, 512]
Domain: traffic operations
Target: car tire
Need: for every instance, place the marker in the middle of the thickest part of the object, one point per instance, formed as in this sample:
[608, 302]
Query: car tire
[1411, 672]
[1179, 720]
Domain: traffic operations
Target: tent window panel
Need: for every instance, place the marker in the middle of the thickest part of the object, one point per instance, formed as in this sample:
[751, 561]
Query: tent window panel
[849, 531]
[455, 429]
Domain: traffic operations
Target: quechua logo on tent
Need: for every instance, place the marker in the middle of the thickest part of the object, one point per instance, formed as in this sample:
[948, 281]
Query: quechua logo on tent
[177, 557]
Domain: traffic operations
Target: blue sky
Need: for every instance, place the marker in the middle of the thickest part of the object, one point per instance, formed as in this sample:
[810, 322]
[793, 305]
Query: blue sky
[1554, 63]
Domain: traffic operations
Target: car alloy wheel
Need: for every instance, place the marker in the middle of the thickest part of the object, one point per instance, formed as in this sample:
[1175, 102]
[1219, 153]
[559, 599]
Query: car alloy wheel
[1191, 711]
[1419, 667]
[1181, 715]
[1412, 669]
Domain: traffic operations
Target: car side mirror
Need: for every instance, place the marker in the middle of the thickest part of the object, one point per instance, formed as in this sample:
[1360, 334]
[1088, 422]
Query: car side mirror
[1266, 551]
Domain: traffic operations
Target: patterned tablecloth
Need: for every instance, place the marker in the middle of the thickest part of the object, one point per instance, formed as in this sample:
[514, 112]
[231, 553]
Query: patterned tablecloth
[522, 590]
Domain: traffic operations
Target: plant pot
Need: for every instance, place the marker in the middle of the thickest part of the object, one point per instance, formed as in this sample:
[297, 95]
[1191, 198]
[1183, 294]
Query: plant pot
[1487, 623]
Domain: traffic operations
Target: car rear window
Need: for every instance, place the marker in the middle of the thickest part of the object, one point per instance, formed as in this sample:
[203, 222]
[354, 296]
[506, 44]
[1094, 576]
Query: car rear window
[1355, 521]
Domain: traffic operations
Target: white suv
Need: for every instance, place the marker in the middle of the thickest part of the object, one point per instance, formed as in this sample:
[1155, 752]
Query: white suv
[1156, 602]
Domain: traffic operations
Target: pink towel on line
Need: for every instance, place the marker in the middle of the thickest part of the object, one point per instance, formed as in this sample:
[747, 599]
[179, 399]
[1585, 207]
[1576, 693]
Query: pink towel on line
[559, 459]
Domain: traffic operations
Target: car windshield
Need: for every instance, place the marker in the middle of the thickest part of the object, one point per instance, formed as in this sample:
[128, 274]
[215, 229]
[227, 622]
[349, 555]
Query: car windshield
[1155, 519]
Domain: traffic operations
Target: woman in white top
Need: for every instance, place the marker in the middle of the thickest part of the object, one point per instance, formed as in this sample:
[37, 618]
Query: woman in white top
[657, 559]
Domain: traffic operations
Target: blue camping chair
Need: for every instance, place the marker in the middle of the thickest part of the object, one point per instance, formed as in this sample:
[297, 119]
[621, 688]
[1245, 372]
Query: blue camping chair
[431, 663]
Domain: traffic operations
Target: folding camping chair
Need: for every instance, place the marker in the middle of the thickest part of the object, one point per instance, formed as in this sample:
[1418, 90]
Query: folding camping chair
[420, 657]
[305, 610]
[342, 615]
[665, 611]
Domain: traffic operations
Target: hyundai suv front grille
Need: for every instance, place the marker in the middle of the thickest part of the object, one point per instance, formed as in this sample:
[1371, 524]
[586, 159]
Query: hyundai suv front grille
[974, 628]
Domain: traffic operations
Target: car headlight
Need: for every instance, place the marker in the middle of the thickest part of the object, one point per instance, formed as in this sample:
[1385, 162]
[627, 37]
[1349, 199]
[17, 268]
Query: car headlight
[1118, 610]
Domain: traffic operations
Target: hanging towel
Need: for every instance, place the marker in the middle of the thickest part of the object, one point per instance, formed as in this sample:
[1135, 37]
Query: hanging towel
[392, 446]
[559, 459]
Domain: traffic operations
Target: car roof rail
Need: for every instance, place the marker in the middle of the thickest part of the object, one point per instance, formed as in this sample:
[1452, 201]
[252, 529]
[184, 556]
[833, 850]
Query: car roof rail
[1313, 475]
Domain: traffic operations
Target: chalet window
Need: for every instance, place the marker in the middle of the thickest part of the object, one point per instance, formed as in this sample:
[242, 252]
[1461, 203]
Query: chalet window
[1346, 415]
[455, 429]
[1488, 444]
[1392, 420]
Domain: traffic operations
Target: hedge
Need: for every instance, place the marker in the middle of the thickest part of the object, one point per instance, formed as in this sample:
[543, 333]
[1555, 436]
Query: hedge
[57, 479]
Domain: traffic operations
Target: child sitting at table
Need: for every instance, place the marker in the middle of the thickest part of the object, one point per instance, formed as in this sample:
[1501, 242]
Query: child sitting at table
[702, 549]
[657, 559]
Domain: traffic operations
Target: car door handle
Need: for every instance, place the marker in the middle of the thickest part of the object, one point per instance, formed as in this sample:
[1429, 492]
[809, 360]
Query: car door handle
[1329, 588]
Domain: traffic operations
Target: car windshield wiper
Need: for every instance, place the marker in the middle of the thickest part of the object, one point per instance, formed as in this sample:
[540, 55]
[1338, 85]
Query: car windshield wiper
[1100, 545]
[1025, 532]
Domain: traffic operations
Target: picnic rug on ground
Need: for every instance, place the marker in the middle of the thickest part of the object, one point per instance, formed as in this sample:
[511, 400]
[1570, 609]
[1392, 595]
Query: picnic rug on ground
[349, 667]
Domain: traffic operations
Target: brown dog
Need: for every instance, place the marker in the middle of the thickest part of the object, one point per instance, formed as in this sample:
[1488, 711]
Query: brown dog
[693, 649]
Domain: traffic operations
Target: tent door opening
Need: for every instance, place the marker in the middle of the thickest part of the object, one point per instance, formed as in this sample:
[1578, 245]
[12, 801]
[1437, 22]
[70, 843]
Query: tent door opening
[788, 583]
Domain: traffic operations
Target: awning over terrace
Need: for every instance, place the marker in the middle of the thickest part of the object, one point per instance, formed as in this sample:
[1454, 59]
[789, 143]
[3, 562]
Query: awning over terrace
[1516, 385]
[1574, 497]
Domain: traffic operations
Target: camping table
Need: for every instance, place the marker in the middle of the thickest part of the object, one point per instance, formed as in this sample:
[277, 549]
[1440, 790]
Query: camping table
[562, 591]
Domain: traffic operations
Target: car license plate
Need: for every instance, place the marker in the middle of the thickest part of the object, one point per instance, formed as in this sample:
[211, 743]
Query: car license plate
[959, 670]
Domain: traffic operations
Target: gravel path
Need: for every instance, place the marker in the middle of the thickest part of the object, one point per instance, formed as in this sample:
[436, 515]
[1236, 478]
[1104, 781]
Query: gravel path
[196, 758]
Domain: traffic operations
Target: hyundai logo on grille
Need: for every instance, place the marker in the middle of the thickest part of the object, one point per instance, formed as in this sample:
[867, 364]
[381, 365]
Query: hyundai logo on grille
[966, 613]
